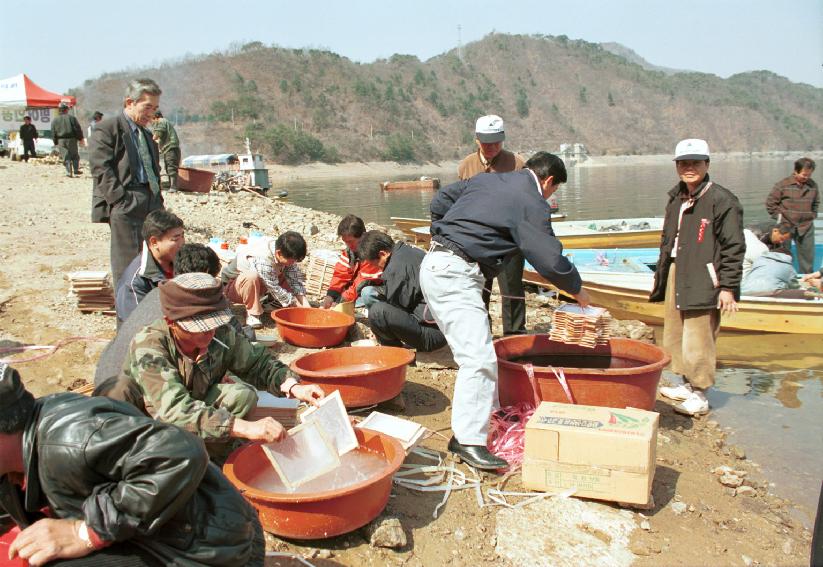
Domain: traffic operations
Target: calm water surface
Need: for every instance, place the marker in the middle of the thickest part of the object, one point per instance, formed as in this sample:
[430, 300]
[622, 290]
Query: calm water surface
[591, 193]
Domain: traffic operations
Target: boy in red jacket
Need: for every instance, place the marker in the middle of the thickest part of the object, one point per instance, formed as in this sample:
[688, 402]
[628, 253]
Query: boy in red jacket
[350, 271]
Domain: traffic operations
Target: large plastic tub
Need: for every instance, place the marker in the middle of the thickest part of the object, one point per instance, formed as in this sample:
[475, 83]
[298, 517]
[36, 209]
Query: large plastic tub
[623, 373]
[364, 375]
[321, 514]
[311, 327]
[195, 180]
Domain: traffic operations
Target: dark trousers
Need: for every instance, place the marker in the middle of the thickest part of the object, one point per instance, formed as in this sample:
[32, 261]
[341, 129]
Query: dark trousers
[126, 223]
[171, 162]
[122, 554]
[395, 327]
[28, 150]
[70, 154]
[805, 251]
[510, 280]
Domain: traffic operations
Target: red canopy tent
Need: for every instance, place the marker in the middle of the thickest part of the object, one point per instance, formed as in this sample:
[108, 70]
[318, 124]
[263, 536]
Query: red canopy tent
[20, 91]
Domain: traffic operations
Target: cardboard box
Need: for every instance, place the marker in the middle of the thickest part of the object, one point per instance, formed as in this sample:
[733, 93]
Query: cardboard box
[606, 453]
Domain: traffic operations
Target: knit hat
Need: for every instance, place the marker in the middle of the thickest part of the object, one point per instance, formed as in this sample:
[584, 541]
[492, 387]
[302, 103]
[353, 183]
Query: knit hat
[195, 301]
[15, 401]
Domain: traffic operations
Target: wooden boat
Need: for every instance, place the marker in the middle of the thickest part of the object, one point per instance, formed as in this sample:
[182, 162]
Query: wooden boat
[626, 296]
[609, 233]
[428, 183]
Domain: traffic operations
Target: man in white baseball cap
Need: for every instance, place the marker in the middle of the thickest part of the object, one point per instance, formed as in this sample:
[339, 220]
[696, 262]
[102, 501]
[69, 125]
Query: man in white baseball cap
[698, 273]
[490, 157]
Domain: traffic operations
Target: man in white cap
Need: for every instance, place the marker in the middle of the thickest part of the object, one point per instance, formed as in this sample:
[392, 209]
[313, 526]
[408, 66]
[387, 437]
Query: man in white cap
[490, 157]
[698, 273]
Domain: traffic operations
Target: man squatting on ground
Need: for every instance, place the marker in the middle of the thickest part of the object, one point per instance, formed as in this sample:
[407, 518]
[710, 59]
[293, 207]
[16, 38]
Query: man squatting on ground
[698, 273]
[126, 172]
[180, 363]
[351, 270]
[119, 488]
[399, 315]
[477, 224]
[490, 157]
[794, 201]
[272, 269]
[163, 235]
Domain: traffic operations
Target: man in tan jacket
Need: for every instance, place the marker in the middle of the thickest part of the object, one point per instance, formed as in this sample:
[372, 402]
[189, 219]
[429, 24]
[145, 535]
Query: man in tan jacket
[490, 157]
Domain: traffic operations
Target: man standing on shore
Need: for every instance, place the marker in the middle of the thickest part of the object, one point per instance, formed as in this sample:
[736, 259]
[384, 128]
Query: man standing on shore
[126, 172]
[67, 134]
[490, 157]
[482, 221]
[166, 137]
[794, 201]
[28, 134]
[703, 239]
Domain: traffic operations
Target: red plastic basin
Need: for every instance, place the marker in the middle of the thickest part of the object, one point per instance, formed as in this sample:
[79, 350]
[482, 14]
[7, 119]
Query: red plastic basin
[320, 514]
[310, 327]
[364, 375]
[195, 180]
[623, 373]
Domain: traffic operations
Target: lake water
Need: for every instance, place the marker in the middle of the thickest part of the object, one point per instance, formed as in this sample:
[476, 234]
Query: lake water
[591, 193]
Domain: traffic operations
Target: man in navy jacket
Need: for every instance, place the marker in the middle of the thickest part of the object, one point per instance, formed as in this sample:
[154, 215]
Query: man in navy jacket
[477, 224]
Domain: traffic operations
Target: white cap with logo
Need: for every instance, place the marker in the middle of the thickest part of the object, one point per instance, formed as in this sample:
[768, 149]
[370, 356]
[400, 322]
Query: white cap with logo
[691, 149]
[489, 129]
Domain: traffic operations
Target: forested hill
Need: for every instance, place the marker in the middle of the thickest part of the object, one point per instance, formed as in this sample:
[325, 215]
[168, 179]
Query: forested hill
[301, 105]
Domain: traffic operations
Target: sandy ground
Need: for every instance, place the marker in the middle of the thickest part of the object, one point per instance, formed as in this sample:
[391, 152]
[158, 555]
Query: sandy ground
[45, 233]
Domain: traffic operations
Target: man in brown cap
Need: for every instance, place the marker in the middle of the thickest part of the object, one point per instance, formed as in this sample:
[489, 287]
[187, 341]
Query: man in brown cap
[180, 363]
[119, 488]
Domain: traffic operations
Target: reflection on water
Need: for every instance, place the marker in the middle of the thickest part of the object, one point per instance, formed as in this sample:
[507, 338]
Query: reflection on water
[769, 390]
[590, 193]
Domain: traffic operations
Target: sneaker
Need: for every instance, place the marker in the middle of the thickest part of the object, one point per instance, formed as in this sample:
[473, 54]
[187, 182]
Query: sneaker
[253, 321]
[696, 404]
[677, 393]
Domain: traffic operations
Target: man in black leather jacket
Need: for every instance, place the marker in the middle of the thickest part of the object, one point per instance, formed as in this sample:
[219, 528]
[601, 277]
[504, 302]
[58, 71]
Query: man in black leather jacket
[115, 484]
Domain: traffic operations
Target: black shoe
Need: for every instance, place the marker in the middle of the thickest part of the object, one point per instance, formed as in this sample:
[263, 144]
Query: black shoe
[477, 456]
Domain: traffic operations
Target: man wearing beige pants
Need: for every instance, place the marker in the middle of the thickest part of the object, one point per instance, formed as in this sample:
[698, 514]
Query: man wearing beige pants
[698, 273]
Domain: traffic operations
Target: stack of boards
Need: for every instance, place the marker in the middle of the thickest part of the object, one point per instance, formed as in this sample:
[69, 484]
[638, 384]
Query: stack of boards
[93, 290]
[588, 327]
[283, 410]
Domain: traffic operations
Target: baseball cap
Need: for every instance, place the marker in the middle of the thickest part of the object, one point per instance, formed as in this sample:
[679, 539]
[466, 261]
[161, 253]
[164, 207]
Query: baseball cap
[489, 129]
[692, 148]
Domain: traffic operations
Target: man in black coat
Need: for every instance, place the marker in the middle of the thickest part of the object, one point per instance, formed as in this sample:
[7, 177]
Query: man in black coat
[29, 135]
[120, 488]
[698, 273]
[478, 224]
[126, 172]
[399, 317]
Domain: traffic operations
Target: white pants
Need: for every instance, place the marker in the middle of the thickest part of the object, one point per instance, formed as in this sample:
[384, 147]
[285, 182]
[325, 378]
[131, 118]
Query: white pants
[453, 291]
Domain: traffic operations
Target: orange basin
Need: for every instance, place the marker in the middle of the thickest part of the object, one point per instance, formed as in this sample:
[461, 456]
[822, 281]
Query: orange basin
[323, 514]
[623, 373]
[310, 327]
[364, 375]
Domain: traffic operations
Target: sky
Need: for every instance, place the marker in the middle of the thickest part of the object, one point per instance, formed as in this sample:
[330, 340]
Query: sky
[61, 44]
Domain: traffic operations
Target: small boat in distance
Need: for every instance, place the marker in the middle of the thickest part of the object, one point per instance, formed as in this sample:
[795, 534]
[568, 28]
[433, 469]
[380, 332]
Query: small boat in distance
[424, 183]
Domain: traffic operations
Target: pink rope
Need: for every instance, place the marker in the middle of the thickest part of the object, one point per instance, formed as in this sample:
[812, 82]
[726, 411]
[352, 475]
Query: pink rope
[51, 348]
[507, 432]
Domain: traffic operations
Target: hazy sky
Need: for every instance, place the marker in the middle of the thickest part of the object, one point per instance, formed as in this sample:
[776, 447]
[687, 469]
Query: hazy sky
[60, 44]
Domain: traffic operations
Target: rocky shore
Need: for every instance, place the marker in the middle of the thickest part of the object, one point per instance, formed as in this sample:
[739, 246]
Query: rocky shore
[712, 505]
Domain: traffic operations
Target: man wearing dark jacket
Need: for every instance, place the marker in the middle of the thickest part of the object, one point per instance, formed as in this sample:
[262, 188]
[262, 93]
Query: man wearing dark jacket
[482, 222]
[698, 273]
[29, 135]
[399, 316]
[66, 134]
[120, 488]
[163, 235]
[126, 172]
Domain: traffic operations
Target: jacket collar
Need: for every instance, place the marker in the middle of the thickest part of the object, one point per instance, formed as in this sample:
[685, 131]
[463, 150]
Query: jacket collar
[149, 268]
